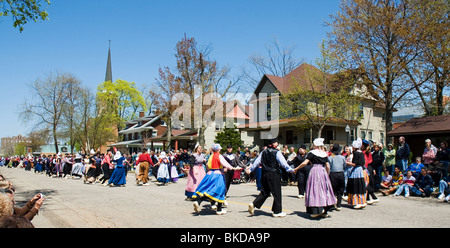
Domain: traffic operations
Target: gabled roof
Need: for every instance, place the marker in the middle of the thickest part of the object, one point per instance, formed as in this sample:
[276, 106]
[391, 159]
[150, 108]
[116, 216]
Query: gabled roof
[300, 75]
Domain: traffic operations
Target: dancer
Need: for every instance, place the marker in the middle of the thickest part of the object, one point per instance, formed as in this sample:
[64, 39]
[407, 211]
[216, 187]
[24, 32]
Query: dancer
[337, 177]
[107, 167]
[91, 169]
[78, 167]
[119, 174]
[356, 183]
[319, 195]
[213, 187]
[270, 179]
[163, 170]
[196, 172]
[144, 166]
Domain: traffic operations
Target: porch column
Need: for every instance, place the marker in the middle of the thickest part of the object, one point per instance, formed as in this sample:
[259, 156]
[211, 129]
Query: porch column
[164, 145]
[151, 147]
[176, 145]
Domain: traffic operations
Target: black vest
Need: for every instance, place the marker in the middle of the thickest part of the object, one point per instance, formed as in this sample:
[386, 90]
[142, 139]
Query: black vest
[269, 161]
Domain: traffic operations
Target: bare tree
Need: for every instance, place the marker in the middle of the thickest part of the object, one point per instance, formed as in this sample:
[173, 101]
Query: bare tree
[278, 61]
[47, 102]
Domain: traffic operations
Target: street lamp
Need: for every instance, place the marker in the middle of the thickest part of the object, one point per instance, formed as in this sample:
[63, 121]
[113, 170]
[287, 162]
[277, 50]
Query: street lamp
[347, 130]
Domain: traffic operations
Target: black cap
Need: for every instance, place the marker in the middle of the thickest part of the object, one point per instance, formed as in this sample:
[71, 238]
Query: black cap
[271, 141]
[229, 146]
[303, 147]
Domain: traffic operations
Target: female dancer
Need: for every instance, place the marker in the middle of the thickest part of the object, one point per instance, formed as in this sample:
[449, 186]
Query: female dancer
[356, 184]
[119, 174]
[319, 195]
[196, 172]
[163, 170]
[213, 187]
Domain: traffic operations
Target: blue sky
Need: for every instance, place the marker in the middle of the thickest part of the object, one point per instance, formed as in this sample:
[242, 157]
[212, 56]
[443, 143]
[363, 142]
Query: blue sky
[144, 34]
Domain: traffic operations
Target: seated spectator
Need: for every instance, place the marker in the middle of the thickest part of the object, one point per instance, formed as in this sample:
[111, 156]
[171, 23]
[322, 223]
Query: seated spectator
[437, 171]
[386, 181]
[424, 184]
[15, 221]
[444, 189]
[408, 183]
[416, 167]
[397, 180]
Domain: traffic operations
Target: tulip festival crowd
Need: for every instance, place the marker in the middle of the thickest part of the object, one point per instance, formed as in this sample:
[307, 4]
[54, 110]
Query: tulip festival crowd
[324, 177]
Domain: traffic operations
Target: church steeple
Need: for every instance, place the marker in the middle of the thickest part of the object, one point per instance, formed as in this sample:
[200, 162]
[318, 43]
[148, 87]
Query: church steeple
[108, 76]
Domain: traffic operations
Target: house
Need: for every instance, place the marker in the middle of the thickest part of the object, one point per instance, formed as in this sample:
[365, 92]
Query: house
[417, 130]
[151, 131]
[370, 126]
[136, 133]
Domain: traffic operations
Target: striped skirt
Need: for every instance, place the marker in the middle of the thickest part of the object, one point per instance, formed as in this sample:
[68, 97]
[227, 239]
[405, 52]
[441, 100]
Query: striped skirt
[319, 192]
[357, 185]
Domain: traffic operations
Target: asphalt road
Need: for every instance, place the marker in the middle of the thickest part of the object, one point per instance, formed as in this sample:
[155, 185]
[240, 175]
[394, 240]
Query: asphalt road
[69, 203]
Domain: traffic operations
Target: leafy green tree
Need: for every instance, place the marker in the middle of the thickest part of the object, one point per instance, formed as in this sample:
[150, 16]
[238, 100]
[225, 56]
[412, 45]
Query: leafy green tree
[319, 97]
[122, 98]
[229, 136]
[22, 11]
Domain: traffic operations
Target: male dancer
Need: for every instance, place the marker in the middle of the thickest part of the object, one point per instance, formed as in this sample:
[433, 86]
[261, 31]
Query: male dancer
[271, 178]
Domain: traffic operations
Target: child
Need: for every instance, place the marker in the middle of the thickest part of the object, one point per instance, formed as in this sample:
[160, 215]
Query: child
[163, 170]
[408, 182]
[387, 180]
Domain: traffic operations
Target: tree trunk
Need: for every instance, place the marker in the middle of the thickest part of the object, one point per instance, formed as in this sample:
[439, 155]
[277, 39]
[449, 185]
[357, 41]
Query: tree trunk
[55, 139]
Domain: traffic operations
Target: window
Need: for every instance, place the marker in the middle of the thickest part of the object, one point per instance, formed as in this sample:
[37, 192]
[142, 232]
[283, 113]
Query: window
[363, 134]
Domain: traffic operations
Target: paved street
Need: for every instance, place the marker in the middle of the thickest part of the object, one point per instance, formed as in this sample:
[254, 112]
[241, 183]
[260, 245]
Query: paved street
[70, 203]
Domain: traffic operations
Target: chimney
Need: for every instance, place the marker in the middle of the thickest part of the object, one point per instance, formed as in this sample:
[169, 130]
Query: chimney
[141, 114]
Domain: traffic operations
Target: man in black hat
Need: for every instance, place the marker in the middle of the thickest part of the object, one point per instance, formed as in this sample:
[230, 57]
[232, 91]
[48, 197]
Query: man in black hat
[270, 159]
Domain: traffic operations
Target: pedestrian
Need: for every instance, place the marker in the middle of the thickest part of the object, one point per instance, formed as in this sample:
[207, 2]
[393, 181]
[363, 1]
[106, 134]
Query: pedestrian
[402, 154]
[212, 187]
[337, 167]
[356, 184]
[319, 195]
[144, 167]
[196, 171]
[119, 174]
[270, 159]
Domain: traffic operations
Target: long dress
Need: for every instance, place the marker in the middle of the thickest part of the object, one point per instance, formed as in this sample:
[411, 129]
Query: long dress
[119, 174]
[163, 170]
[213, 185]
[356, 183]
[196, 174]
[319, 195]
